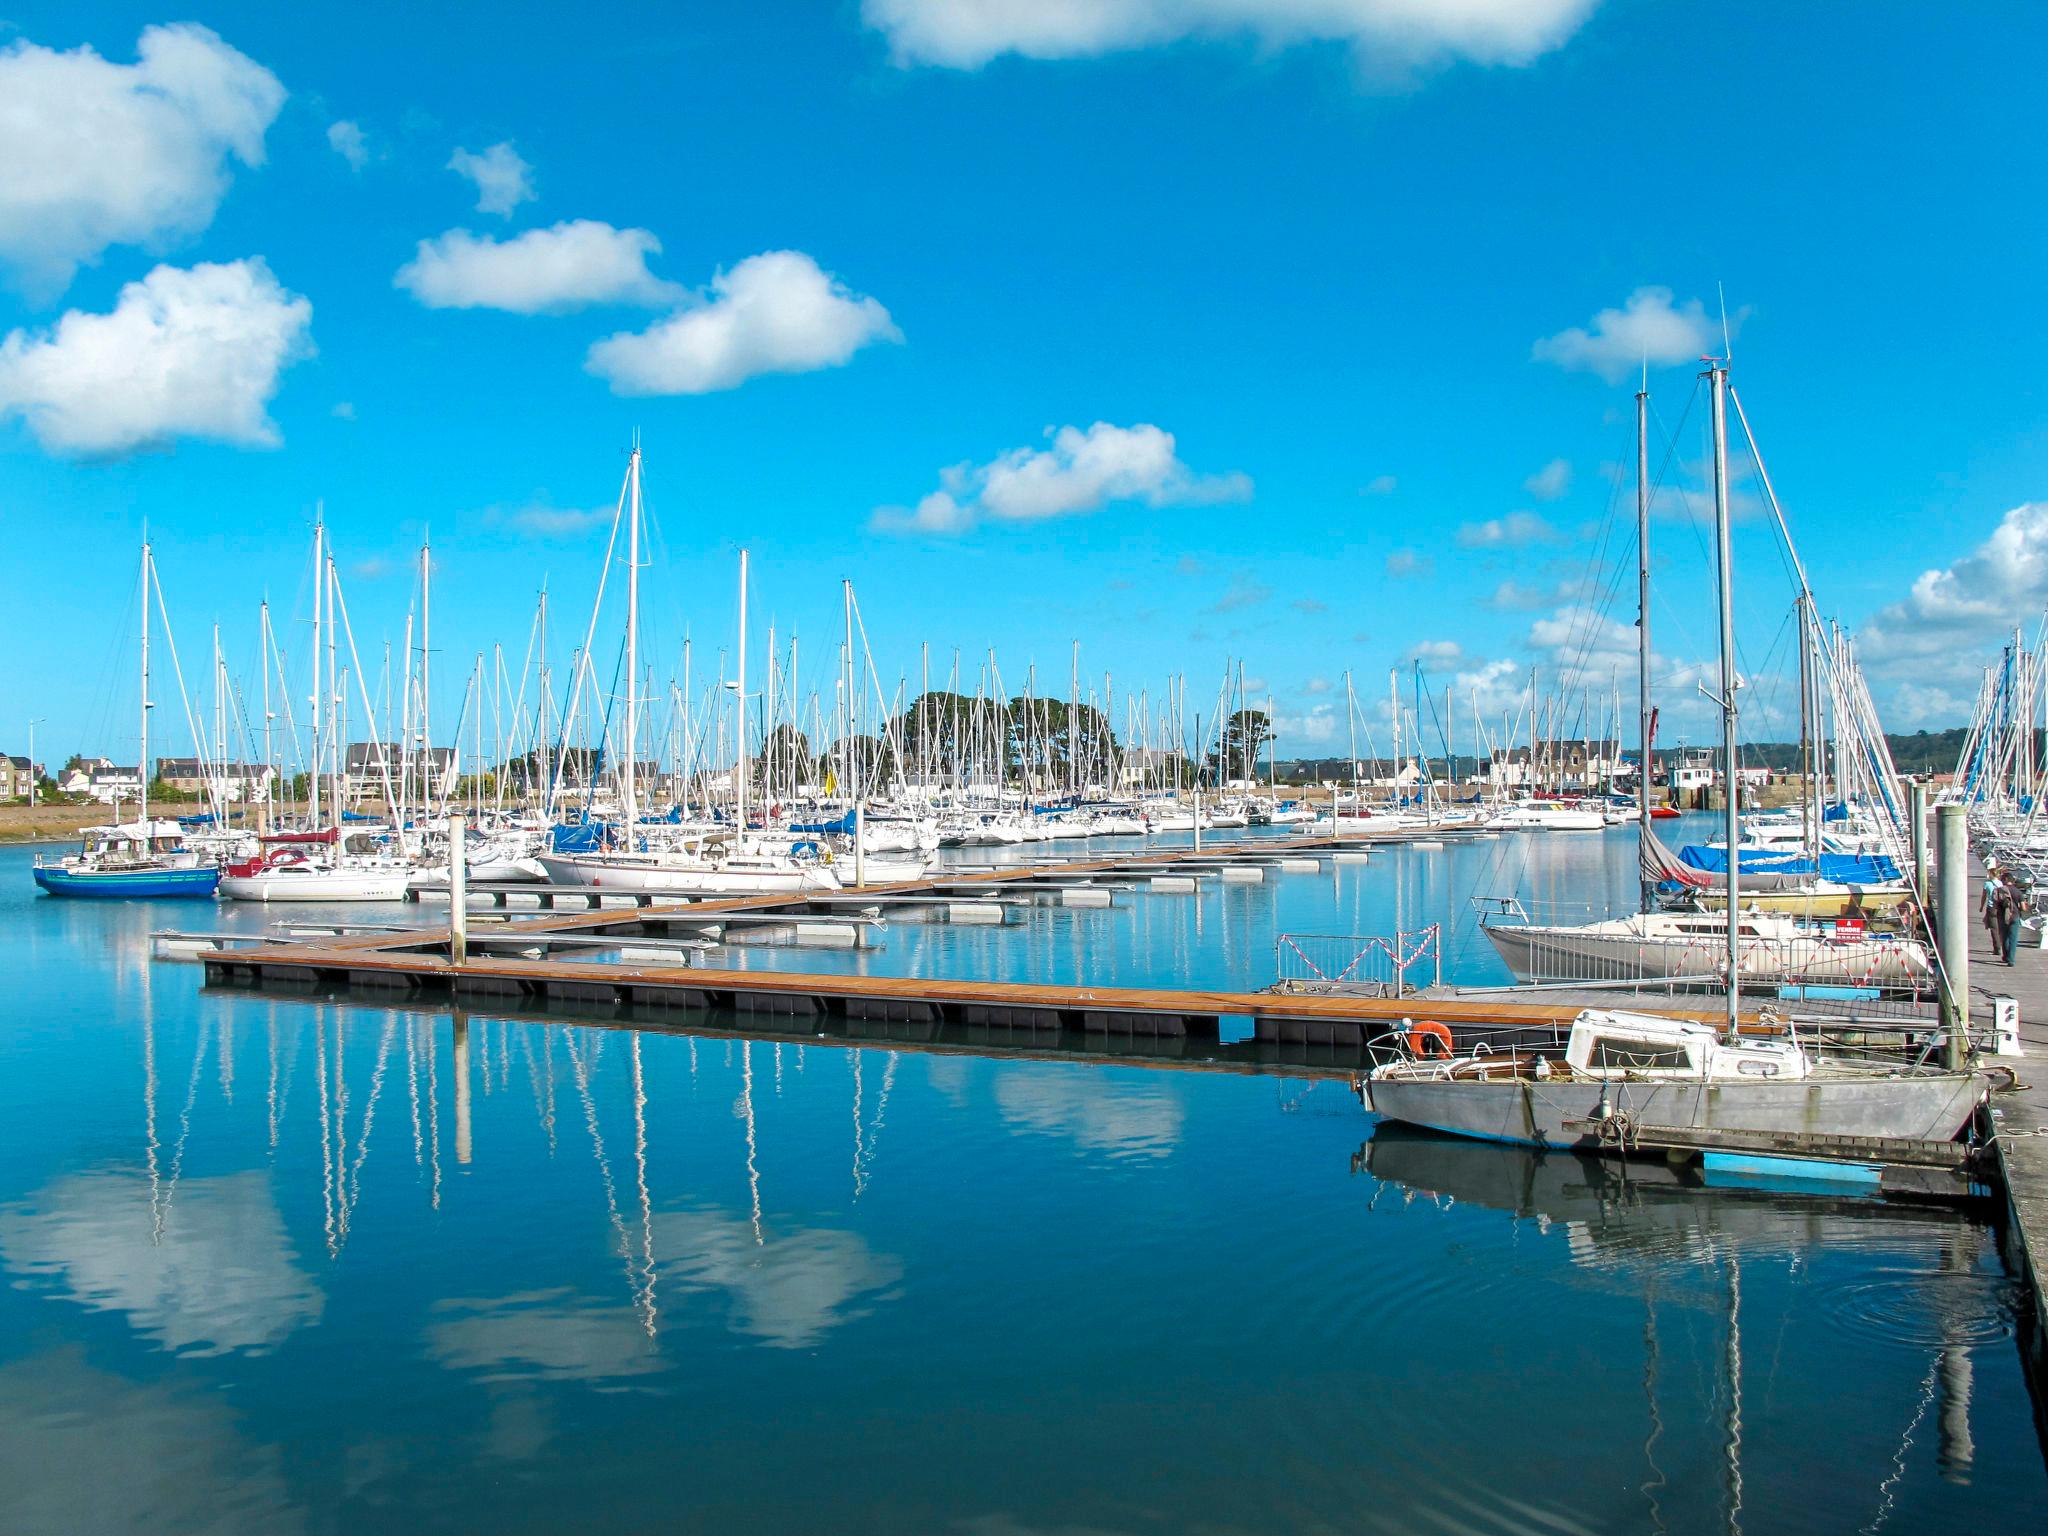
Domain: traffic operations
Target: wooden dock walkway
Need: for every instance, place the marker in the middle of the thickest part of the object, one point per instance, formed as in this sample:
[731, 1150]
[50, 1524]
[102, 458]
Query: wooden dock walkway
[2019, 1117]
[500, 969]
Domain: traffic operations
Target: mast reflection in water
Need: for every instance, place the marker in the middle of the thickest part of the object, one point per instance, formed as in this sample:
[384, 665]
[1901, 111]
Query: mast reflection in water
[294, 1265]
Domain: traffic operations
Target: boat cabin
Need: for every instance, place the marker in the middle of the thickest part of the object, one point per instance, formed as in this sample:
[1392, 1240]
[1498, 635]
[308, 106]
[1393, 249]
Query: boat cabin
[1609, 1044]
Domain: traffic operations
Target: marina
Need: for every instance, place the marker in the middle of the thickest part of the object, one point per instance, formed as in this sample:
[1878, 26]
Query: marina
[1006, 768]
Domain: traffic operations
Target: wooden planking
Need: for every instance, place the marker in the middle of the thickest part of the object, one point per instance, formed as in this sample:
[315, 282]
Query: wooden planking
[438, 970]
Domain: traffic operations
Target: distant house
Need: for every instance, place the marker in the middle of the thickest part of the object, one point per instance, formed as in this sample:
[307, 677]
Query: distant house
[1588, 765]
[110, 783]
[231, 781]
[16, 775]
[369, 763]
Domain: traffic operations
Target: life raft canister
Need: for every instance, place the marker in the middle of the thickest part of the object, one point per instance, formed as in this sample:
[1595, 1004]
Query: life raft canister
[1422, 1032]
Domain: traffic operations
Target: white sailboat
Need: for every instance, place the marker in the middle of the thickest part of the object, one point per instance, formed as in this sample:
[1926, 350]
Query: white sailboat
[654, 859]
[1628, 1075]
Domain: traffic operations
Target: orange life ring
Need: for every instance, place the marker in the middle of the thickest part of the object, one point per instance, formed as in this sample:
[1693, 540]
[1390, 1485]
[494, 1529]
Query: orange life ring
[1424, 1030]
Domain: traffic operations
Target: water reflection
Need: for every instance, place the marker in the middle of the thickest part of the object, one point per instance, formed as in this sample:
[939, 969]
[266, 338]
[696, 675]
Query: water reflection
[86, 1450]
[552, 1335]
[1094, 1111]
[211, 1272]
[786, 1289]
[1652, 1230]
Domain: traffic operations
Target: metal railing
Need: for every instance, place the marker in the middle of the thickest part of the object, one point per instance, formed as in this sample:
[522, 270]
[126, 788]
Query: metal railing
[1367, 964]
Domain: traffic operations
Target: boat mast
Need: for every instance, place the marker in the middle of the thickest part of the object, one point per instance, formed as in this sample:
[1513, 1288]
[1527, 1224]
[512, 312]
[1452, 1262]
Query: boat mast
[852, 754]
[1643, 728]
[142, 763]
[1717, 374]
[629, 810]
[740, 716]
[313, 761]
[426, 692]
[269, 763]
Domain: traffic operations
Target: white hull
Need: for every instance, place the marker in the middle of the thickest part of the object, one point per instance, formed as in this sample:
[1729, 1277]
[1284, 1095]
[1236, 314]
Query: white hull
[751, 877]
[1931, 1107]
[1536, 953]
[303, 884]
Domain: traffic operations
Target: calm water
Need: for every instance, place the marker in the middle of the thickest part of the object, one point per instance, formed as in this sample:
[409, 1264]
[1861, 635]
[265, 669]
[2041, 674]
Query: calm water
[277, 1266]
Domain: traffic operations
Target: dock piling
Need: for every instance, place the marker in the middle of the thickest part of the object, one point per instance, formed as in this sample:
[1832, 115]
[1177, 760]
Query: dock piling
[458, 893]
[1952, 917]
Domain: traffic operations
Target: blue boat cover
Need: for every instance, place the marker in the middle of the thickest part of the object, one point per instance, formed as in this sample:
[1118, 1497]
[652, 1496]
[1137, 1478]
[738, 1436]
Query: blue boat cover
[579, 837]
[843, 826]
[1843, 868]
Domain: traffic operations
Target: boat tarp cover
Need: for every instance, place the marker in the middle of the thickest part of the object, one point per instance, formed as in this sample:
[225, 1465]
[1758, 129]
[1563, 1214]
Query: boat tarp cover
[1842, 868]
[843, 826]
[579, 837]
[1662, 867]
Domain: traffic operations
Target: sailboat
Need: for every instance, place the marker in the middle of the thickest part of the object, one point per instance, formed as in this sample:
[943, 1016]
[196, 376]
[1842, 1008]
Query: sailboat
[637, 857]
[1626, 1074]
[144, 857]
[330, 864]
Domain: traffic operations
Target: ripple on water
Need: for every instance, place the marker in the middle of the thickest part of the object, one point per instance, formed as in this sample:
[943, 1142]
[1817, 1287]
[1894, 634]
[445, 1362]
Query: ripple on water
[1922, 1308]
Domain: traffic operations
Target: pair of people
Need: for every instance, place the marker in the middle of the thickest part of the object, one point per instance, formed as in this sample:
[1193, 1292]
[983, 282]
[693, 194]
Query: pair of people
[2003, 907]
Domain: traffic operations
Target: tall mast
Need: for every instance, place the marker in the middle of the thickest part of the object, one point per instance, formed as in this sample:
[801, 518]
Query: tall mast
[1717, 373]
[1643, 641]
[740, 734]
[142, 763]
[628, 808]
[852, 755]
[426, 692]
[313, 760]
[269, 762]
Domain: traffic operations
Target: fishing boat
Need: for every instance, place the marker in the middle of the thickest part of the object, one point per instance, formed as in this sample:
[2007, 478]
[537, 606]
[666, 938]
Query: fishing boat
[141, 858]
[1628, 1073]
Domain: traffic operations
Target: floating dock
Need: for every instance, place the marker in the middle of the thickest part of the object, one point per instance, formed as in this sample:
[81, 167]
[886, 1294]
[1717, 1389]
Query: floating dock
[528, 963]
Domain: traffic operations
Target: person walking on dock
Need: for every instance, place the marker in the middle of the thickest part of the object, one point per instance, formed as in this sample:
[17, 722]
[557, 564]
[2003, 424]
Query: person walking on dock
[1998, 915]
[2015, 899]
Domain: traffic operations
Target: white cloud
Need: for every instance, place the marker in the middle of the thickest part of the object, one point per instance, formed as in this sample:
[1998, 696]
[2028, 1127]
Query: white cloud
[778, 312]
[503, 180]
[1549, 482]
[346, 140]
[1514, 531]
[1243, 592]
[965, 34]
[1313, 727]
[1933, 644]
[1404, 563]
[1435, 653]
[1309, 605]
[1316, 685]
[1379, 485]
[1512, 594]
[542, 521]
[1083, 471]
[1647, 328]
[185, 353]
[567, 266]
[1489, 689]
[344, 410]
[95, 154]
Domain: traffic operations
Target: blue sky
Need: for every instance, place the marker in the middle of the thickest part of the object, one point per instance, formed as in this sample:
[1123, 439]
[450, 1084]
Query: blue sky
[1337, 258]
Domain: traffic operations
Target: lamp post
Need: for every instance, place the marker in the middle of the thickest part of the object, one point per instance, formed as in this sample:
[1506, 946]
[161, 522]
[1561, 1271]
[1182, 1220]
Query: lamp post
[32, 759]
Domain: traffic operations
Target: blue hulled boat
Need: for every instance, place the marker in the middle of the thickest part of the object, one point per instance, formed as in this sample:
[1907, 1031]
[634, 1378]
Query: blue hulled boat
[144, 858]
